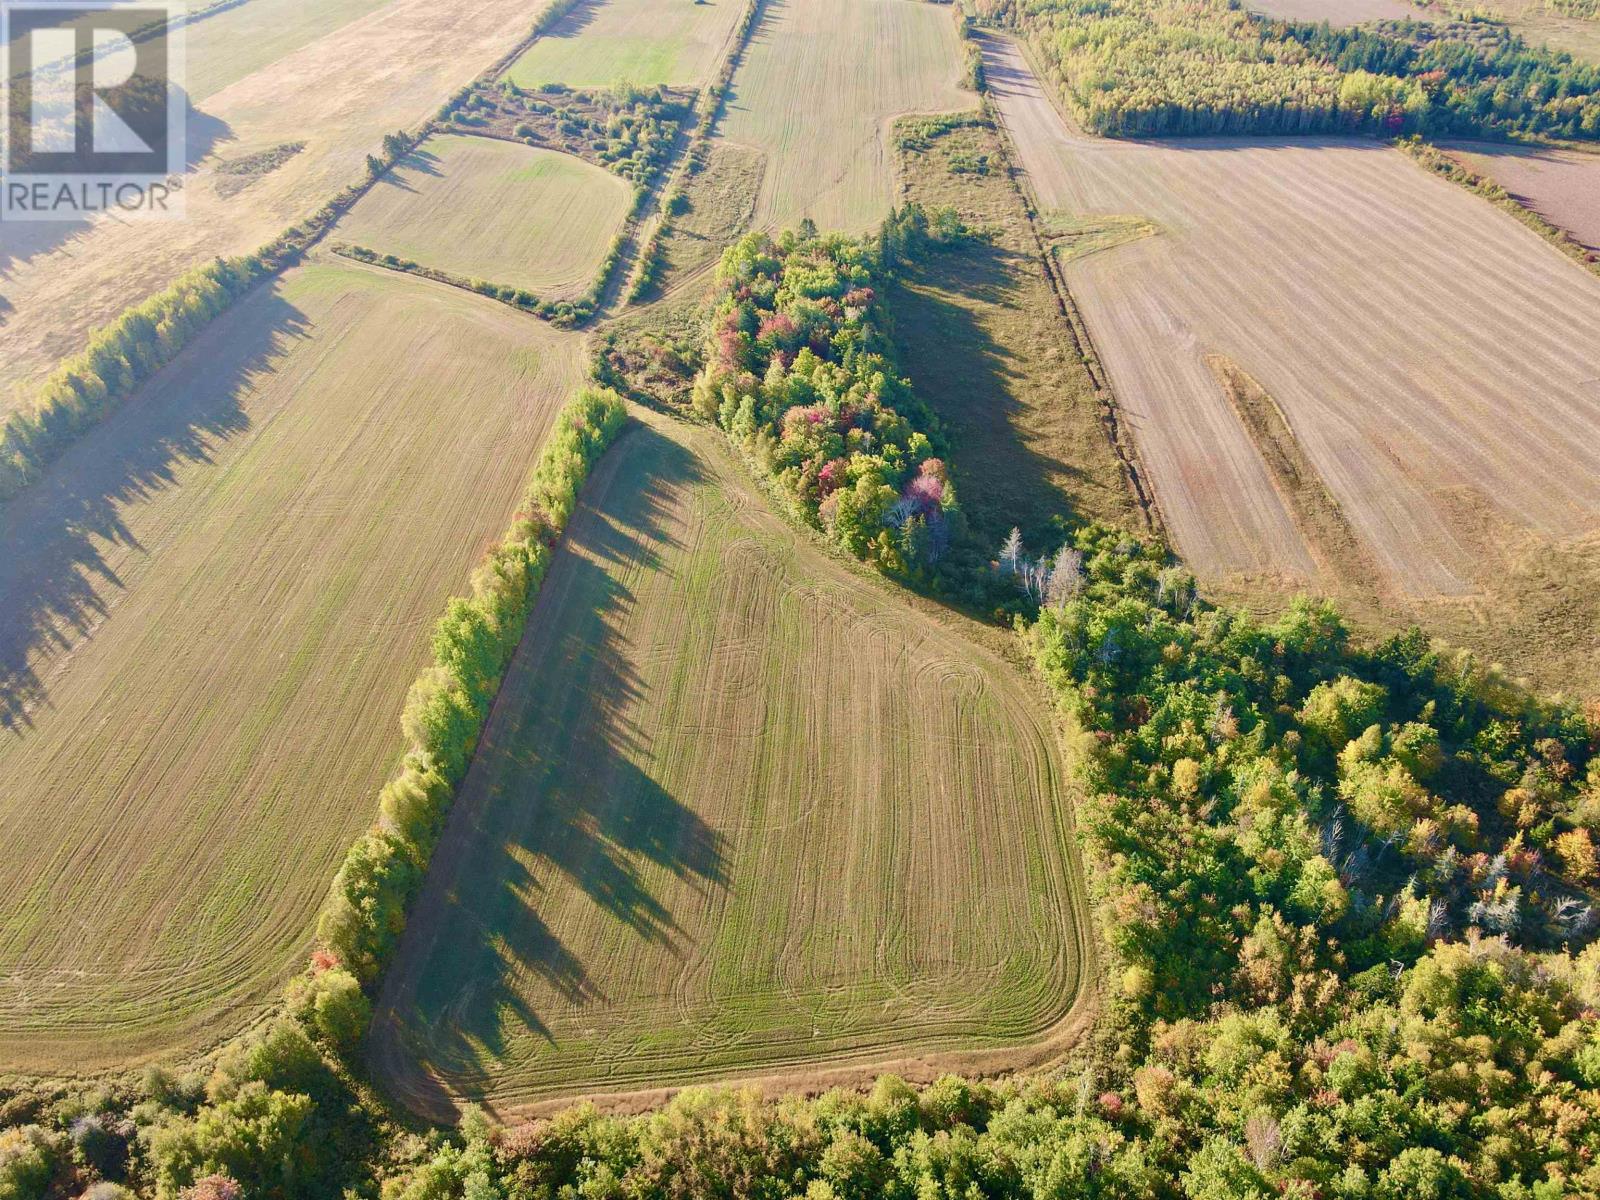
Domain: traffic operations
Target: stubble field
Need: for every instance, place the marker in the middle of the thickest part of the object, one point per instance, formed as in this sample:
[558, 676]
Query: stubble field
[489, 209]
[645, 42]
[1429, 353]
[819, 86]
[738, 810]
[339, 92]
[210, 613]
[1562, 186]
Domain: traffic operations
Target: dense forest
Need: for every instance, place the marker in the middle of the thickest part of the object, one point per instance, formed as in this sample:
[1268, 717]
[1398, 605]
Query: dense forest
[1131, 68]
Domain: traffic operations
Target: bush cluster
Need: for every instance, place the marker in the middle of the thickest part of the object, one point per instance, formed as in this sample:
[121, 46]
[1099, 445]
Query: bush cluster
[1348, 891]
[797, 372]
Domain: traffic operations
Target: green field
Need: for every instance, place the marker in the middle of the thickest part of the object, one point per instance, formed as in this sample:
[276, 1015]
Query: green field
[483, 208]
[645, 42]
[210, 613]
[816, 91]
[738, 809]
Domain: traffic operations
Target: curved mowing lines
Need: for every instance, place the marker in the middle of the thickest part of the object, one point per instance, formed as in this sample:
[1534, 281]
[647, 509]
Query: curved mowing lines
[817, 89]
[739, 811]
[240, 620]
[539, 219]
[1428, 352]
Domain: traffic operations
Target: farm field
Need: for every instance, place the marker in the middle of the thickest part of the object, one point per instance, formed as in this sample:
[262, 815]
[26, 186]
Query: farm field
[490, 209]
[816, 92]
[1563, 186]
[339, 94]
[1539, 23]
[210, 613]
[646, 42]
[1341, 212]
[980, 334]
[738, 810]
[1339, 12]
[721, 201]
[1439, 438]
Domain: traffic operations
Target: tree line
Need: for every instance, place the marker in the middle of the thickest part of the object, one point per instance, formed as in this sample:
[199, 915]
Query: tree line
[1131, 68]
[279, 1114]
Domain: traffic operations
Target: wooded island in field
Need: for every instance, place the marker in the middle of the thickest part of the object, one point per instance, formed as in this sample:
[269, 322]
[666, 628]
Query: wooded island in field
[815, 598]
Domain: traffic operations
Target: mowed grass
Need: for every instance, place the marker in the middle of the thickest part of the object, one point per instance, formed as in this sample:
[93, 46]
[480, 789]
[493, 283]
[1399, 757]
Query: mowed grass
[982, 337]
[210, 613]
[1442, 376]
[737, 810]
[489, 209]
[816, 91]
[645, 42]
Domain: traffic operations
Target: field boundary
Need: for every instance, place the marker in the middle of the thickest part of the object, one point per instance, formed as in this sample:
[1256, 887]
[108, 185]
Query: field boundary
[1448, 167]
[1127, 452]
[800, 1076]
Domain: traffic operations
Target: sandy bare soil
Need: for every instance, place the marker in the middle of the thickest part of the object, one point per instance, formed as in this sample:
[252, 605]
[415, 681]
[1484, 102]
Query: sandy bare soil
[339, 94]
[1433, 358]
[1563, 186]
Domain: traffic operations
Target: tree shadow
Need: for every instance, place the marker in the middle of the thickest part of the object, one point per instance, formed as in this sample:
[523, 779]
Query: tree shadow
[23, 241]
[54, 575]
[971, 382]
[562, 798]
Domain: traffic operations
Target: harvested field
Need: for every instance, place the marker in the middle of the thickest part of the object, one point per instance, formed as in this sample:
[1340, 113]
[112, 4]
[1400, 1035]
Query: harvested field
[483, 208]
[817, 90]
[340, 93]
[739, 810]
[1539, 24]
[1431, 355]
[719, 203]
[644, 42]
[210, 612]
[1562, 186]
[1339, 12]
[982, 337]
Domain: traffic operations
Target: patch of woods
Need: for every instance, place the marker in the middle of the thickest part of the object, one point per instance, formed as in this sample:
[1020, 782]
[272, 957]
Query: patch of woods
[627, 130]
[1133, 68]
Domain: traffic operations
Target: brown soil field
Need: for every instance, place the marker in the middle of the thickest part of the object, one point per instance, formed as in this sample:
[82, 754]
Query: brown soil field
[740, 810]
[1430, 353]
[339, 93]
[816, 92]
[1562, 186]
[210, 613]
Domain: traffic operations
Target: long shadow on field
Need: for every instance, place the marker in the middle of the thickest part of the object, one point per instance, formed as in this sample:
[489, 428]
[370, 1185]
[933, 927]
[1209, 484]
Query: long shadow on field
[562, 798]
[56, 583]
[969, 380]
[23, 241]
